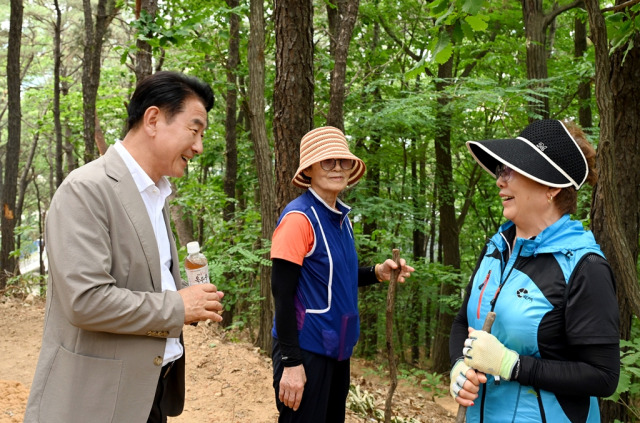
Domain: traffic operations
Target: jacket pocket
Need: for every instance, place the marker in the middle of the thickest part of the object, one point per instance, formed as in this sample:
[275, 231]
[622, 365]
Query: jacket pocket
[80, 387]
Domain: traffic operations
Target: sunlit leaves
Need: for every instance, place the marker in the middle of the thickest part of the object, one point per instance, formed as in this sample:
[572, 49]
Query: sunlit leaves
[472, 7]
[477, 22]
[622, 27]
[443, 50]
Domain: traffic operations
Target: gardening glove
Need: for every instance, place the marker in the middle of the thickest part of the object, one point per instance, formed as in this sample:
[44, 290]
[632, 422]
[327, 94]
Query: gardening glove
[485, 353]
[458, 377]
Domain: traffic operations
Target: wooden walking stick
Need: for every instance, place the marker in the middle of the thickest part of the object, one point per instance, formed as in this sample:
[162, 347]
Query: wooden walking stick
[391, 303]
[488, 322]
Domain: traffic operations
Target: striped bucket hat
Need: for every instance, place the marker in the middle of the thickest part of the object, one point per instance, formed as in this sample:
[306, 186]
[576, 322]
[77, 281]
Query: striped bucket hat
[324, 143]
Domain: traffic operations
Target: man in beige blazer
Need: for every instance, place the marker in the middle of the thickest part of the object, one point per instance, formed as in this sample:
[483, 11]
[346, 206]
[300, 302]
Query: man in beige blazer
[112, 346]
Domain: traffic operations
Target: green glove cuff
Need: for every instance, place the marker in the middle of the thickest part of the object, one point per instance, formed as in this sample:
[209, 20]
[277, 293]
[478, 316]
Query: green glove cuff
[509, 361]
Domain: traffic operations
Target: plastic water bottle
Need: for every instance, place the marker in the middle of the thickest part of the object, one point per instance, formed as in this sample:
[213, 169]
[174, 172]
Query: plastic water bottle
[196, 265]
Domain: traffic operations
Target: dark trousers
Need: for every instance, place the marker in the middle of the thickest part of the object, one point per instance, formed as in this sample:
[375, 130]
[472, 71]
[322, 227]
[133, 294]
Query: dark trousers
[325, 393]
[157, 414]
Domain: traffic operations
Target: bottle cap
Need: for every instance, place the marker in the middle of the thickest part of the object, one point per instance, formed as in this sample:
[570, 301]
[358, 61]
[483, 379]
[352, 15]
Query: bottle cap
[193, 247]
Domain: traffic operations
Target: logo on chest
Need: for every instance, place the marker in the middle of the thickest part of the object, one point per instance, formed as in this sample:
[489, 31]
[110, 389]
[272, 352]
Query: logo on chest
[524, 294]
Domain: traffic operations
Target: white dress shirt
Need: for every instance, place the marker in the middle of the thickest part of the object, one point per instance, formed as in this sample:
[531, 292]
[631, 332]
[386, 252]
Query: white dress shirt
[154, 197]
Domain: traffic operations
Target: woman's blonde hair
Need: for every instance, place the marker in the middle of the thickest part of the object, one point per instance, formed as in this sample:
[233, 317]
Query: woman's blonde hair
[567, 199]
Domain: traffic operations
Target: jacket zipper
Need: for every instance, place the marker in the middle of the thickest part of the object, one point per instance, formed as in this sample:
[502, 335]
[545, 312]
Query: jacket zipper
[493, 306]
[495, 297]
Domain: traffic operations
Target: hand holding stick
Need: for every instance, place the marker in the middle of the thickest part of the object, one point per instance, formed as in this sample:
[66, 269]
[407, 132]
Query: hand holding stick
[488, 322]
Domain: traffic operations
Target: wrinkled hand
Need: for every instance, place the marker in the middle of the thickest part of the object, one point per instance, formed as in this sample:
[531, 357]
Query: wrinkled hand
[201, 302]
[292, 385]
[384, 270]
[485, 353]
[465, 383]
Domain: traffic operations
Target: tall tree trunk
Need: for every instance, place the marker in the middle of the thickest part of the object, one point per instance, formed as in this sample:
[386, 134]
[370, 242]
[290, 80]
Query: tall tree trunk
[8, 264]
[23, 182]
[585, 118]
[418, 194]
[67, 146]
[369, 304]
[41, 219]
[182, 221]
[369, 311]
[341, 27]
[57, 57]
[535, 33]
[614, 211]
[231, 137]
[144, 54]
[536, 23]
[625, 86]
[293, 90]
[263, 162]
[448, 228]
[94, 38]
[100, 140]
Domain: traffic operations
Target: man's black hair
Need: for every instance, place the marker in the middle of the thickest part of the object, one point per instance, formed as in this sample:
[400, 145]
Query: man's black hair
[168, 91]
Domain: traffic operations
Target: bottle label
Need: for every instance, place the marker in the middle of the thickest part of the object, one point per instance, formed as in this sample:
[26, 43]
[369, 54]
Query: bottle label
[198, 276]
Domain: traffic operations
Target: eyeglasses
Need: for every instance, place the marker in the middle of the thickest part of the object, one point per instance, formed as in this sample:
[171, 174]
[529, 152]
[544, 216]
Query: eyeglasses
[329, 164]
[503, 171]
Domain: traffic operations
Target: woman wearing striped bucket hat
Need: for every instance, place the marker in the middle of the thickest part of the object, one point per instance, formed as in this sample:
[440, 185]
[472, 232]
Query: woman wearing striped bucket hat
[315, 281]
[553, 348]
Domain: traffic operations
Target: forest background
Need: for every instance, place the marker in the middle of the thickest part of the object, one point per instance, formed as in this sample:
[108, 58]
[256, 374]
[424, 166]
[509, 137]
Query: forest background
[408, 81]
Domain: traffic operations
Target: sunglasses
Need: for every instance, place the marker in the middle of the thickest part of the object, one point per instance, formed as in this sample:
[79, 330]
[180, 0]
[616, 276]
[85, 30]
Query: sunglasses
[329, 164]
[503, 171]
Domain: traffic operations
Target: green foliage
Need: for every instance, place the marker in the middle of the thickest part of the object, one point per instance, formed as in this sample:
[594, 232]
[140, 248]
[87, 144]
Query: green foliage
[433, 383]
[629, 374]
[394, 100]
[622, 27]
[21, 286]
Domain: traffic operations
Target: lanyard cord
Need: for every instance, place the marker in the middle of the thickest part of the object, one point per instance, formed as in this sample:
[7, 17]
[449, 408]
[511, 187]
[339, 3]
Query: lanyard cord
[495, 297]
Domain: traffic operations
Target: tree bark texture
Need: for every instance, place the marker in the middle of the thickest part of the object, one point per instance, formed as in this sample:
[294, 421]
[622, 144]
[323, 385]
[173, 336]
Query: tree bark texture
[585, 118]
[263, 162]
[293, 90]
[368, 342]
[67, 145]
[144, 56]
[101, 142]
[608, 214]
[419, 196]
[231, 135]
[625, 86]
[57, 57]
[8, 220]
[23, 181]
[449, 234]
[182, 221]
[94, 38]
[341, 32]
[534, 28]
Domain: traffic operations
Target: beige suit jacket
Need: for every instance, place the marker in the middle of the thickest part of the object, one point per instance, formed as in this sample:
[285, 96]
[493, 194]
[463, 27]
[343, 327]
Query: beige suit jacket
[106, 320]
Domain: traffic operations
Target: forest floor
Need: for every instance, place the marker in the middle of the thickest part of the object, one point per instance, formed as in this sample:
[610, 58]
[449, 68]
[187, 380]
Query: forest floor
[228, 380]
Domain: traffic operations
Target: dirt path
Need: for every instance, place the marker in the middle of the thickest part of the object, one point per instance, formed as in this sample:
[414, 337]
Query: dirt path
[226, 381]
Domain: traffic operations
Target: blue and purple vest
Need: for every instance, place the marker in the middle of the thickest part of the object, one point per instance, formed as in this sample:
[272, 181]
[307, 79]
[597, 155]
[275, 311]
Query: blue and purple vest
[327, 295]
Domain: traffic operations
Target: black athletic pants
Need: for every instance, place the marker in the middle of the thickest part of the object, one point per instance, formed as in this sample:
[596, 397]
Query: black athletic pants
[325, 393]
